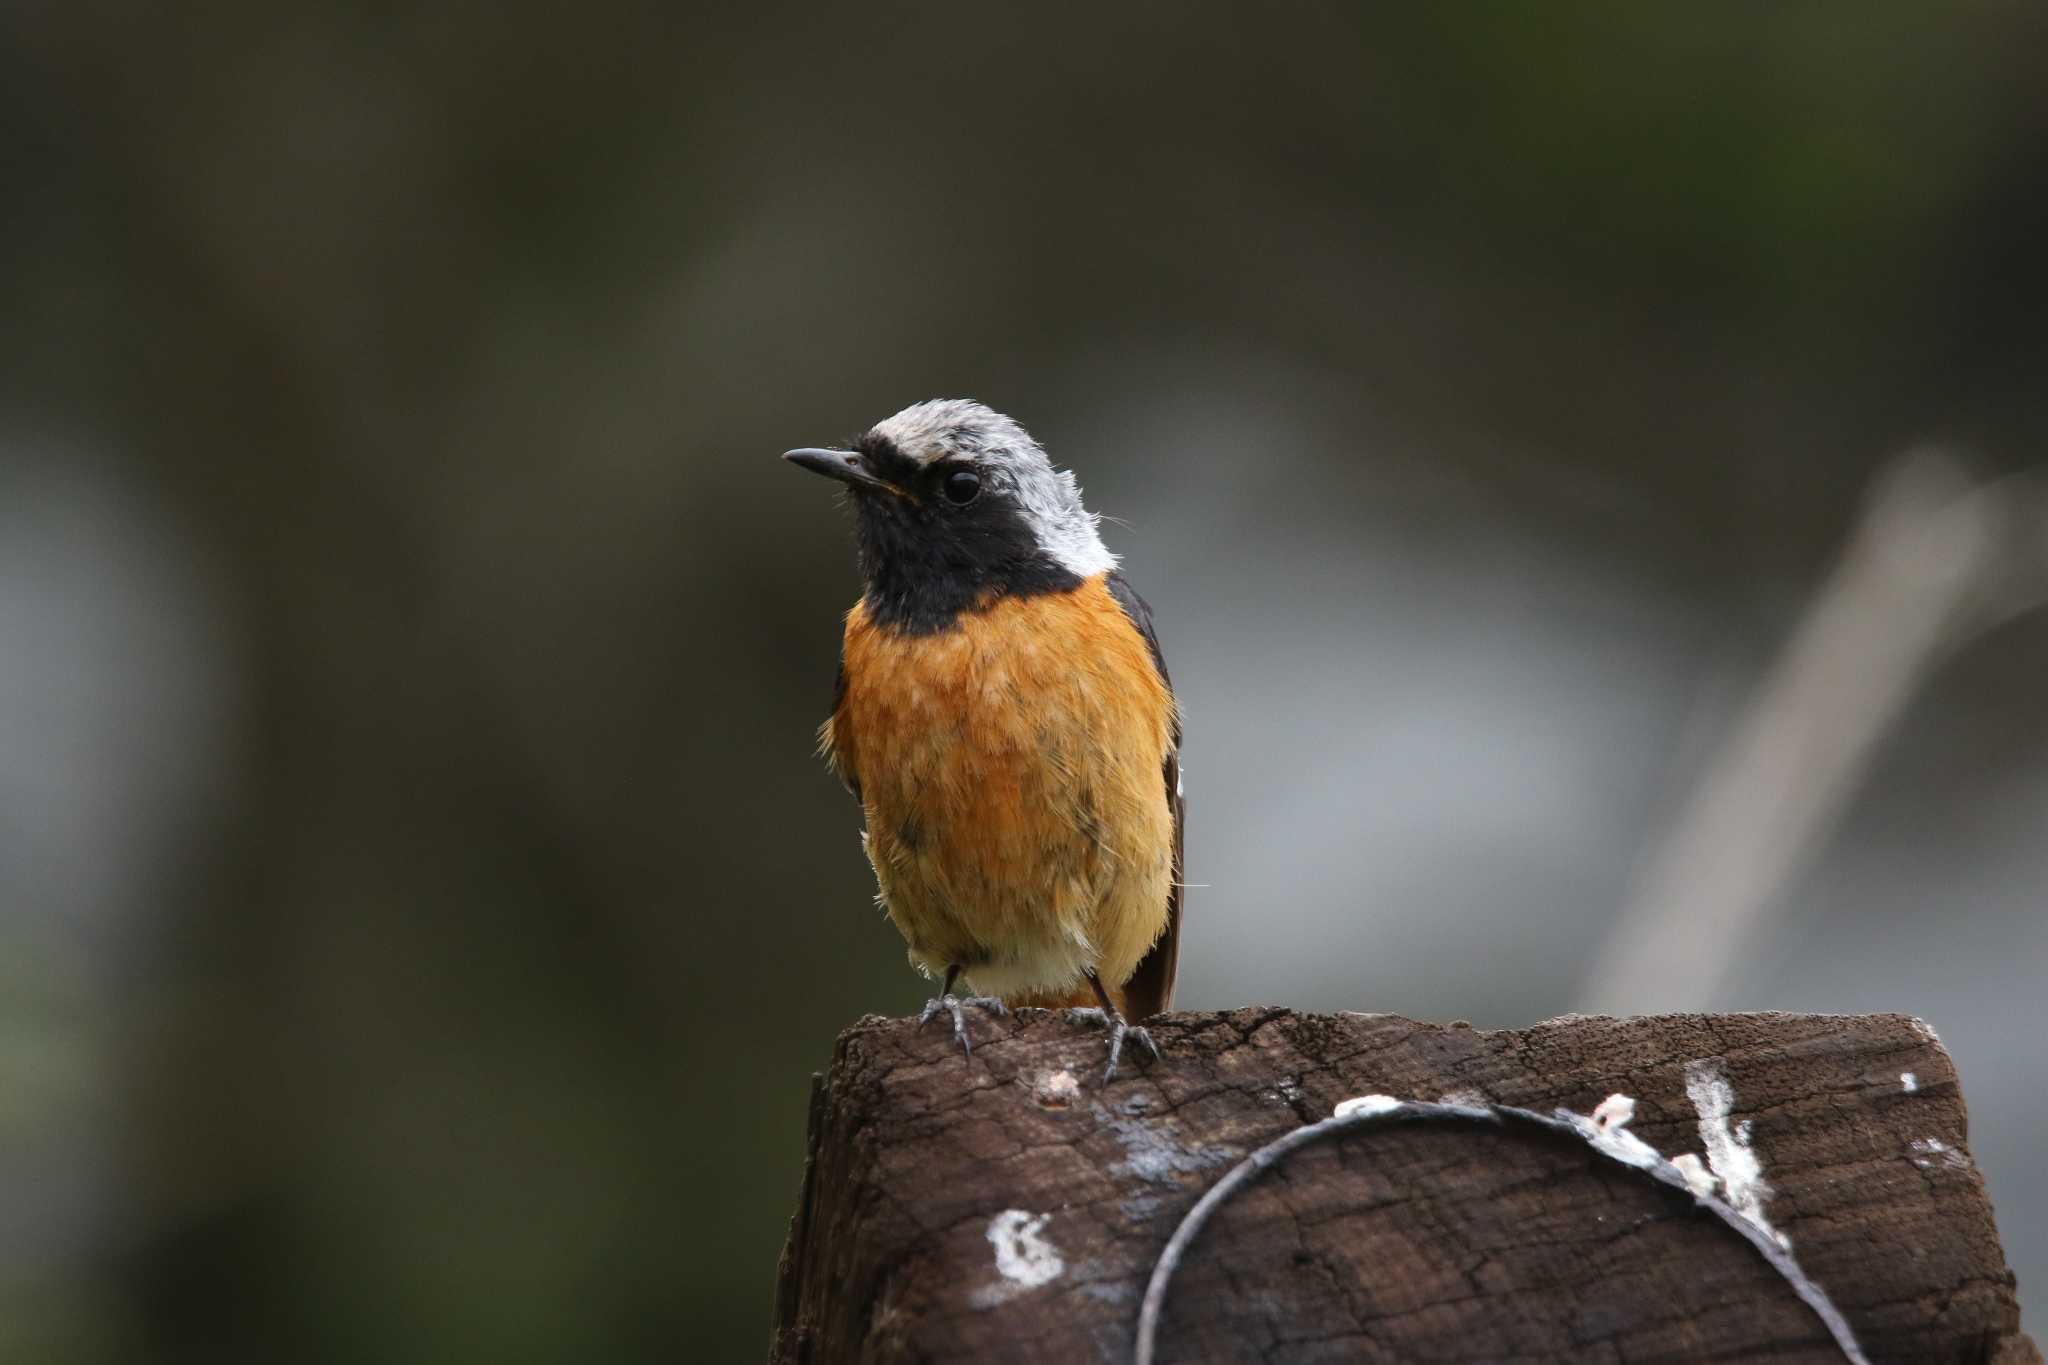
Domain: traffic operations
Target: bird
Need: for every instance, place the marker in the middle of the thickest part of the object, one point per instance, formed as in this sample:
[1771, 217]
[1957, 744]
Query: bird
[1004, 717]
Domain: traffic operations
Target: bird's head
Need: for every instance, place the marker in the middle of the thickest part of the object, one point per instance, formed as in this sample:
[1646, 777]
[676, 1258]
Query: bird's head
[957, 505]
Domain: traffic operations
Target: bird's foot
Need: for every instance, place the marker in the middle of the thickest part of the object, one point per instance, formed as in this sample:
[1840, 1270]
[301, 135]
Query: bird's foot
[956, 1005]
[1118, 1031]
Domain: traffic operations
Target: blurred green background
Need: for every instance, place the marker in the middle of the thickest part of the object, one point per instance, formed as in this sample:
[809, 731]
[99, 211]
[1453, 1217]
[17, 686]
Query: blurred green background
[421, 909]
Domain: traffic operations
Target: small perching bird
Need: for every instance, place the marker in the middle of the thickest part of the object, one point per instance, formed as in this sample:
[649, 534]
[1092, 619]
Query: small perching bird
[1004, 717]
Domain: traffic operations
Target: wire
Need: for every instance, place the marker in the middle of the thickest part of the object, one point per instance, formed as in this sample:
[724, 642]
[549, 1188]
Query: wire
[1623, 1149]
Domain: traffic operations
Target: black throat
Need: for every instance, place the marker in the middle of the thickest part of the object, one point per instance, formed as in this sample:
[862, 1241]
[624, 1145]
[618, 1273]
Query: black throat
[926, 561]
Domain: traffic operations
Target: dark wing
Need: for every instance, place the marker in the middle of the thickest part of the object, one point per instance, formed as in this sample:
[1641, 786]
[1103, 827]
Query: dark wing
[1150, 989]
[835, 738]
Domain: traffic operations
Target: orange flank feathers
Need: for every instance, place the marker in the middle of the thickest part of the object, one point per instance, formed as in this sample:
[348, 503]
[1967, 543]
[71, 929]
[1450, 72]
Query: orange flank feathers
[1009, 769]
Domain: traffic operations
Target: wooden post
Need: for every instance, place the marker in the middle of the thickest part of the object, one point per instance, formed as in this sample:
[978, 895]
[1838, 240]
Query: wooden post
[1010, 1207]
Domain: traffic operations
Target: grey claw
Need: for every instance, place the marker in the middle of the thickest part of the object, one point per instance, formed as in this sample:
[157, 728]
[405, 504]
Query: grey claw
[1118, 1031]
[956, 1005]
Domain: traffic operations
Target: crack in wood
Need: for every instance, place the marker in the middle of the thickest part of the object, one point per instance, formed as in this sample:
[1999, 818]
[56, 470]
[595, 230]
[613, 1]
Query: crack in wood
[1447, 1250]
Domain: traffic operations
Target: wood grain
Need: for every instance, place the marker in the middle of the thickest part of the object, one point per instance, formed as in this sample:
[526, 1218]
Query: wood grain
[1403, 1243]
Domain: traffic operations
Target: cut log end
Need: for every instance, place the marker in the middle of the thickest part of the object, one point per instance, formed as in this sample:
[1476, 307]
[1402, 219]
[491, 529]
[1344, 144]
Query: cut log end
[1010, 1207]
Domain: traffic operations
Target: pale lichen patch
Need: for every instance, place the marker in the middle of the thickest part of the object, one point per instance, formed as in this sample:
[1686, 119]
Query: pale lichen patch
[1154, 1152]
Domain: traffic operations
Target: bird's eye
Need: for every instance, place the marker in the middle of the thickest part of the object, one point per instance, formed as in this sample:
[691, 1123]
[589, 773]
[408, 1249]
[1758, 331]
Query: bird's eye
[962, 486]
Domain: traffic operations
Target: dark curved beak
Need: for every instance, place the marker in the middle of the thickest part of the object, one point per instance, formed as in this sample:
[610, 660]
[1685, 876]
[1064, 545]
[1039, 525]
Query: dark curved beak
[847, 466]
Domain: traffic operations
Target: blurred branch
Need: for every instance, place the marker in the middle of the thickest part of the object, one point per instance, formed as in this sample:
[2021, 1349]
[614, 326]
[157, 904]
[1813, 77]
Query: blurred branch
[1934, 561]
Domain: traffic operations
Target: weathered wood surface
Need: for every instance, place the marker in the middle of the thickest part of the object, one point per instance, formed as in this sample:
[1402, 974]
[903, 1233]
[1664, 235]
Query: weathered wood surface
[986, 1211]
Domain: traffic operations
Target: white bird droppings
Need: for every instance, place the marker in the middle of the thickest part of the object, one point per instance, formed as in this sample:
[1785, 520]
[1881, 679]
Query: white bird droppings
[1057, 1089]
[1698, 1178]
[1729, 1154]
[1616, 1111]
[1608, 1131]
[1934, 1152]
[1365, 1104]
[1024, 1258]
[1908, 1082]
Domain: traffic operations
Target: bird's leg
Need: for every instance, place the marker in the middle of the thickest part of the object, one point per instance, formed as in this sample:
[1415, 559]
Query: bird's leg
[1107, 1015]
[955, 1005]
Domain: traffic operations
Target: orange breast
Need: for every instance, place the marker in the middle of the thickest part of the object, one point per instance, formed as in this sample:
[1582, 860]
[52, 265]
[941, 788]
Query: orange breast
[1010, 771]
